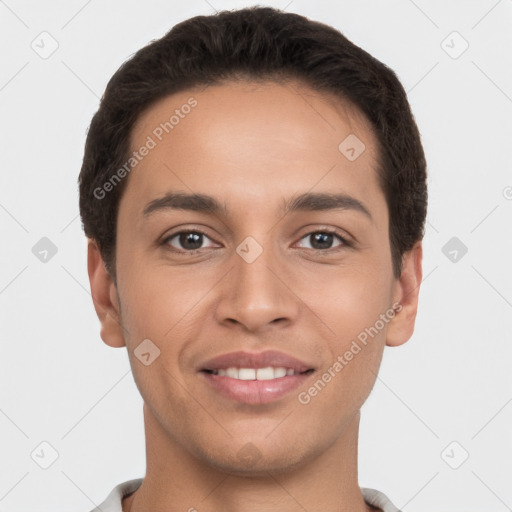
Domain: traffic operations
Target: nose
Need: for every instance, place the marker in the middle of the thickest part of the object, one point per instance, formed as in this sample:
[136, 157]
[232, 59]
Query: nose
[257, 294]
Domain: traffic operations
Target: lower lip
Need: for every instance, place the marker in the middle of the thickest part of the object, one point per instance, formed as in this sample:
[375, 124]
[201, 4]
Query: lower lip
[256, 391]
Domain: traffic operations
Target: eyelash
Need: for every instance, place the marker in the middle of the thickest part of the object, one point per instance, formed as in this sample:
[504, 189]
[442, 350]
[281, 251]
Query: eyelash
[346, 243]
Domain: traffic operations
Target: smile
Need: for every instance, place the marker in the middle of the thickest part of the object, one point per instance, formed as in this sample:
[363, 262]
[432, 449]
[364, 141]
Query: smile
[255, 378]
[268, 373]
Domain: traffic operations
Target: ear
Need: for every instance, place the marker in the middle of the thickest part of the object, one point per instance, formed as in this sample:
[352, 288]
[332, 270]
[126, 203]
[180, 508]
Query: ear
[406, 291]
[104, 297]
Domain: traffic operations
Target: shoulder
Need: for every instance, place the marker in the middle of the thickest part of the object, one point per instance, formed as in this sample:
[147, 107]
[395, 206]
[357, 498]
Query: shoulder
[378, 499]
[113, 502]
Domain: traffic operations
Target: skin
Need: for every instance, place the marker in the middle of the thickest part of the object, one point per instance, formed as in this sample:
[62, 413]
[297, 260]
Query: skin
[250, 146]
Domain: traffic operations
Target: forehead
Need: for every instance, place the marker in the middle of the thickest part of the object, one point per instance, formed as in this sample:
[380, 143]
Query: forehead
[251, 143]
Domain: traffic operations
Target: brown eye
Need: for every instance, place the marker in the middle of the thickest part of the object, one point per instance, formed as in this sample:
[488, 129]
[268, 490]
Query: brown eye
[186, 241]
[323, 240]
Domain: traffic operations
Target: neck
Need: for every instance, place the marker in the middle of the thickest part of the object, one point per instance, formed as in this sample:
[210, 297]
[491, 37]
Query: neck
[175, 481]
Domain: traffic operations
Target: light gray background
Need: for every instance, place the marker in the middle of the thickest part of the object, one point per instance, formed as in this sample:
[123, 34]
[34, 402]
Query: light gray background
[451, 382]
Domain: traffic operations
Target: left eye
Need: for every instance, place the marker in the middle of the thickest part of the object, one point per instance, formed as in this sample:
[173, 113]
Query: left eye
[191, 241]
[323, 239]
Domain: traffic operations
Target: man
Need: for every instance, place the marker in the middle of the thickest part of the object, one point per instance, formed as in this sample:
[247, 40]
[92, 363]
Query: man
[289, 160]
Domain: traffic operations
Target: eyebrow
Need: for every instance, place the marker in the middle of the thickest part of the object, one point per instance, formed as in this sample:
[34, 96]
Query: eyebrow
[308, 201]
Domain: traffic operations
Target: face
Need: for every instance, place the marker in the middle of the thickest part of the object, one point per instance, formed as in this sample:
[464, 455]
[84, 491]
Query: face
[259, 294]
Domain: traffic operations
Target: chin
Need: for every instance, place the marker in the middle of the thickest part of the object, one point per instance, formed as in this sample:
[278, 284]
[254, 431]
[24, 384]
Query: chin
[251, 461]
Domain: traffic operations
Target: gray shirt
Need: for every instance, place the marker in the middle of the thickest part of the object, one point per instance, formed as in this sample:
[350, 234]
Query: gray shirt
[113, 502]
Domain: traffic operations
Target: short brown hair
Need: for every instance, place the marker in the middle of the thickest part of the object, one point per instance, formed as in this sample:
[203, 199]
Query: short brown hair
[256, 43]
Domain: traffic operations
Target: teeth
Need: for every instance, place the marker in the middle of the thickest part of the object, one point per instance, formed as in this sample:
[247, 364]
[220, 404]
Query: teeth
[279, 372]
[232, 372]
[267, 373]
[246, 374]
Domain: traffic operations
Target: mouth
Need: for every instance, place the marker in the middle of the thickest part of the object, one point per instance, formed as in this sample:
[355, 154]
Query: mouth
[255, 378]
[267, 373]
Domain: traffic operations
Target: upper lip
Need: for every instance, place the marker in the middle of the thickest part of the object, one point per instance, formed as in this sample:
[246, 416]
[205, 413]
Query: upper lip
[243, 359]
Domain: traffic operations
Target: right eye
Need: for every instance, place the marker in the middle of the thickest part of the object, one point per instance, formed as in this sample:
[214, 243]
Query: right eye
[190, 241]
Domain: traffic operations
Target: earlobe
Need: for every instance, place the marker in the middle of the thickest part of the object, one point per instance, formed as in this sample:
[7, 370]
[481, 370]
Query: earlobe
[104, 297]
[407, 288]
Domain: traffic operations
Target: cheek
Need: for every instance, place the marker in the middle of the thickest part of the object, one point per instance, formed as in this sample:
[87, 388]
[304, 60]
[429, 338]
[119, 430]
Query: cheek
[356, 311]
[162, 311]
[351, 357]
[165, 307]
[154, 300]
[346, 300]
